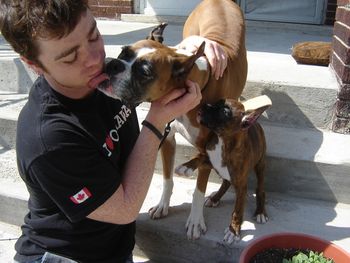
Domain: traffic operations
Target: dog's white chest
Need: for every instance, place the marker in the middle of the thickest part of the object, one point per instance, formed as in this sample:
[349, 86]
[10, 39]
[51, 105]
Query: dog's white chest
[215, 157]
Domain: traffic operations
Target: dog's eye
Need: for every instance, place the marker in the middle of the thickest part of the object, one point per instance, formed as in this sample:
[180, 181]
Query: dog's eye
[143, 69]
[227, 112]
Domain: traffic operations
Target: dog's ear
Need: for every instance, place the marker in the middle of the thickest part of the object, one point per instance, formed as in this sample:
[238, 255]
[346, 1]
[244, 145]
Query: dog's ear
[157, 33]
[181, 69]
[253, 110]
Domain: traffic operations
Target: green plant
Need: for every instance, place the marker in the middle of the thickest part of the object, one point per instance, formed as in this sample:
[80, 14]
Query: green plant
[313, 257]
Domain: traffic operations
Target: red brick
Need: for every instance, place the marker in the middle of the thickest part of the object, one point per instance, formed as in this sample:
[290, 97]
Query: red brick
[342, 50]
[111, 8]
[342, 71]
[342, 31]
[111, 2]
[344, 91]
[344, 88]
[343, 15]
[342, 108]
[343, 2]
[341, 125]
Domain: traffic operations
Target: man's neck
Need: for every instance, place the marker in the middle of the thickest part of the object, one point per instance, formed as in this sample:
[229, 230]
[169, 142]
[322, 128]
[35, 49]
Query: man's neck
[69, 92]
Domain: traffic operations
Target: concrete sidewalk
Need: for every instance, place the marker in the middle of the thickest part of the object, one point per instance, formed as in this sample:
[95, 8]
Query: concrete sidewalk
[307, 163]
[165, 240]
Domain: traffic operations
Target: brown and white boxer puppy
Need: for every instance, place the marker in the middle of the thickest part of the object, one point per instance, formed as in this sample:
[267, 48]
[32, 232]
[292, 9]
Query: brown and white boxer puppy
[236, 146]
[147, 70]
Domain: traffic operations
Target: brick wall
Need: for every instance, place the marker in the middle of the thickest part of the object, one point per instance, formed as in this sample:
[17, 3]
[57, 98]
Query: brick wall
[111, 8]
[340, 63]
[330, 12]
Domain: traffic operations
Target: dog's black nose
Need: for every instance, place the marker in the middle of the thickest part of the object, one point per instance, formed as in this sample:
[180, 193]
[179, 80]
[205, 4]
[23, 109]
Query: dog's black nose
[114, 67]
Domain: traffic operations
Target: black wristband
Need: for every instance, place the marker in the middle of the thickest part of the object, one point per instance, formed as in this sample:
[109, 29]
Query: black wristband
[153, 129]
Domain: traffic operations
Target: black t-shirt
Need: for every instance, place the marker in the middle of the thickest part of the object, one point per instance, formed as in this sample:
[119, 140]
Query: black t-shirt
[70, 154]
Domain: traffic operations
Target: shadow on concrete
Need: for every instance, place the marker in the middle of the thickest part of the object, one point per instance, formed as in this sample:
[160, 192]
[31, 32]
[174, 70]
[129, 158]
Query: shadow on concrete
[8, 102]
[303, 178]
[165, 240]
[297, 192]
[126, 38]
[5, 146]
[172, 36]
[4, 46]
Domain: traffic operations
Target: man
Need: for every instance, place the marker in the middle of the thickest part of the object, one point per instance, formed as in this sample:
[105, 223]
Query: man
[85, 163]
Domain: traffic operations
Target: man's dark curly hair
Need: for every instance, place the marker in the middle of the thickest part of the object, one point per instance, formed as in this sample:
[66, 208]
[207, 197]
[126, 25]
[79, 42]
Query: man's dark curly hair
[22, 22]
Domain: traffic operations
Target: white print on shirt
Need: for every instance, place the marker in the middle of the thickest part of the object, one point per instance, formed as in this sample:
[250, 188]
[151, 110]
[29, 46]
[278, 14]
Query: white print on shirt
[113, 135]
[81, 196]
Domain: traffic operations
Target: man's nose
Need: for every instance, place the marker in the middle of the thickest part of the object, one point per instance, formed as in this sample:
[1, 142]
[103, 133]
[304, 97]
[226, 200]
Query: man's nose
[93, 57]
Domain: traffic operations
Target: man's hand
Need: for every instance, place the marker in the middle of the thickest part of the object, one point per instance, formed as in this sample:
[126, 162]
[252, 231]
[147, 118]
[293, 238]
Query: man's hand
[174, 104]
[214, 52]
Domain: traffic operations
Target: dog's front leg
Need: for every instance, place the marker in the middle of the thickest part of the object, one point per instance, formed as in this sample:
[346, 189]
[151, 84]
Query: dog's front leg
[168, 156]
[195, 223]
[233, 232]
[260, 213]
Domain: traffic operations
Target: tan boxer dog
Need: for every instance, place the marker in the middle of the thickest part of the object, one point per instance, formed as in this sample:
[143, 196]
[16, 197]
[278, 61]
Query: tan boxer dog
[236, 146]
[147, 70]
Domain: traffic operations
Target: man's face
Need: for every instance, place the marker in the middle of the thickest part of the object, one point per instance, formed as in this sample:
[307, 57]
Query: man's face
[74, 60]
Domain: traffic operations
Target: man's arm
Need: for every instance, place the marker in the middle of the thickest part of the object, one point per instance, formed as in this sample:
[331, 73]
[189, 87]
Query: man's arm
[124, 205]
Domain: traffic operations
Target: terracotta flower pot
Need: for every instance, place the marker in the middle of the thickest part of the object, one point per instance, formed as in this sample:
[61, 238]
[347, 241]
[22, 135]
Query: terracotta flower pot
[294, 240]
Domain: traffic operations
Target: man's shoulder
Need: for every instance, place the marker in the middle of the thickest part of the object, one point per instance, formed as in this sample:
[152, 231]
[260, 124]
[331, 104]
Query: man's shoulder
[32, 126]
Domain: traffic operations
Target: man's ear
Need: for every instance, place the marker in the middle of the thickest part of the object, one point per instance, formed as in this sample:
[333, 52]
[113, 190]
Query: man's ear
[33, 66]
[181, 69]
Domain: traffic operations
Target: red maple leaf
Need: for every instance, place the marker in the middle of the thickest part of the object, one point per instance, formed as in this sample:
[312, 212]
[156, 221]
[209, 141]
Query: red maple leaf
[80, 196]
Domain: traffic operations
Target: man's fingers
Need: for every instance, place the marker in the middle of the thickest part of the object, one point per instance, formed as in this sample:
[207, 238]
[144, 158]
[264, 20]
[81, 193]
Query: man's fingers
[224, 64]
[216, 57]
[194, 89]
[173, 94]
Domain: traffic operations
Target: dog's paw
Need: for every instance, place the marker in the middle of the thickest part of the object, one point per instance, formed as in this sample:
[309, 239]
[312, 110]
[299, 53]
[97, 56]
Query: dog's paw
[195, 227]
[210, 203]
[183, 170]
[159, 211]
[230, 237]
[261, 218]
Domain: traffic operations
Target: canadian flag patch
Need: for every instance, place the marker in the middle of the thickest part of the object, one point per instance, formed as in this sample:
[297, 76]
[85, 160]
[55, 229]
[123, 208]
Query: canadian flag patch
[81, 196]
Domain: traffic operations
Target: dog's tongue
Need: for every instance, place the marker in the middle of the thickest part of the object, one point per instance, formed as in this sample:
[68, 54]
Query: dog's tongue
[93, 83]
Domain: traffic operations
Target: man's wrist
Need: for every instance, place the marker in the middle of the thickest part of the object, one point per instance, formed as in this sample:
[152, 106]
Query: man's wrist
[153, 129]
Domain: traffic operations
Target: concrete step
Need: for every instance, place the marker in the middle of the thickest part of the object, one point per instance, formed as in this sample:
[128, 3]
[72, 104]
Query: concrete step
[11, 104]
[303, 96]
[297, 159]
[165, 240]
[298, 104]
